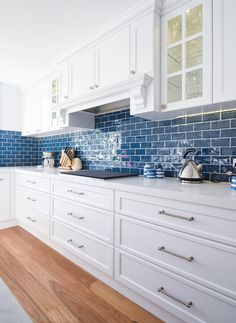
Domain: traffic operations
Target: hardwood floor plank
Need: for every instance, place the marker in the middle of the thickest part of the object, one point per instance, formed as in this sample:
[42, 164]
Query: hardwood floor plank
[134, 312]
[75, 297]
[53, 289]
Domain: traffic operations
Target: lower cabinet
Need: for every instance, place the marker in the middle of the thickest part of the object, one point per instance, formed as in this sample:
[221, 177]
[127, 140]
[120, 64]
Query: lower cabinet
[97, 253]
[187, 300]
[178, 256]
[33, 219]
[5, 196]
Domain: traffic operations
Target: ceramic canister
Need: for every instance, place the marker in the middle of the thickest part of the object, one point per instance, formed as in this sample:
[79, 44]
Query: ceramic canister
[159, 173]
[147, 167]
[233, 183]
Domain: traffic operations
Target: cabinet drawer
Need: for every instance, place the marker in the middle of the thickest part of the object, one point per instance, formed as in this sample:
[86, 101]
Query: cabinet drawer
[211, 223]
[94, 251]
[195, 258]
[91, 220]
[32, 219]
[93, 196]
[146, 279]
[34, 199]
[31, 181]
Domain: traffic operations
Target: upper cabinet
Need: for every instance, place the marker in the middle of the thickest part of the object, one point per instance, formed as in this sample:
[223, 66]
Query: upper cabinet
[186, 56]
[224, 49]
[36, 109]
[142, 43]
[164, 56]
[82, 72]
[113, 58]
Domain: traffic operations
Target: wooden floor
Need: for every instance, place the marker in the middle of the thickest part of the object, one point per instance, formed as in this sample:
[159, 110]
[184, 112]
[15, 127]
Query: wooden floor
[52, 289]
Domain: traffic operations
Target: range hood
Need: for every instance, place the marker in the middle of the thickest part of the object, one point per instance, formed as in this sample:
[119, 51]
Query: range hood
[134, 92]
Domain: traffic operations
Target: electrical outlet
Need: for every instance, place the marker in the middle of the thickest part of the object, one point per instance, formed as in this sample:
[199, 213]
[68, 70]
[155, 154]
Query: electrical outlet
[234, 162]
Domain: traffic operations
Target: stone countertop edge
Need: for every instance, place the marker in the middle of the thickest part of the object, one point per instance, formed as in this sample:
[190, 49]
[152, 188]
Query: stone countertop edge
[206, 193]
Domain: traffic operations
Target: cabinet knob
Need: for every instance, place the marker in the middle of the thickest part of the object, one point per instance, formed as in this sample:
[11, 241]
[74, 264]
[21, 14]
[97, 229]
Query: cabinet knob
[96, 85]
[91, 87]
[65, 96]
[132, 72]
[163, 106]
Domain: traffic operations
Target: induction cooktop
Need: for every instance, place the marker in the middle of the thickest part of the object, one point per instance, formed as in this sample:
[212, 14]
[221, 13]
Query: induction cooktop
[99, 174]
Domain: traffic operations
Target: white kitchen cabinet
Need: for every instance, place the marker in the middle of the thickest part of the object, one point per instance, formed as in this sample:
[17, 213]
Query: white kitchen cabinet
[5, 196]
[64, 81]
[82, 72]
[36, 109]
[224, 50]
[142, 45]
[186, 56]
[113, 59]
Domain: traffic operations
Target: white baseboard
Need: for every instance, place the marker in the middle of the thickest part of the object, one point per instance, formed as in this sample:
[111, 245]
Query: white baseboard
[8, 224]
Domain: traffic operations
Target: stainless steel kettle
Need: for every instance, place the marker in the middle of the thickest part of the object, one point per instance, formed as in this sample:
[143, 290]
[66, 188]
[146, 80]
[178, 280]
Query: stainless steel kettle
[191, 172]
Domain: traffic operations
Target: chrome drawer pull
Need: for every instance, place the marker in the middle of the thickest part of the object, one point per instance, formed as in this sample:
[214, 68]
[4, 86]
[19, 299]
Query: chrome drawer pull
[31, 182]
[75, 244]
[30, 219]
[30, 199]
[187, 304]
[189, 259]
[1, 179]
[74, 192]
[74, 216]
[191, 218]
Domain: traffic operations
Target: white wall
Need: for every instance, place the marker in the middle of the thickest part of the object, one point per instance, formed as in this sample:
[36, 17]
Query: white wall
[10, 107]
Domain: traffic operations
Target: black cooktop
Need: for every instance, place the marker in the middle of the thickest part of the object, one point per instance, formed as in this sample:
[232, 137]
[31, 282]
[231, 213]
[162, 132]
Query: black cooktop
[99, 174]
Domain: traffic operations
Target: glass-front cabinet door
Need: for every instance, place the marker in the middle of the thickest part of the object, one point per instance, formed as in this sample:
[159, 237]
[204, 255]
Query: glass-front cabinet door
[187, 56]
[57, 118]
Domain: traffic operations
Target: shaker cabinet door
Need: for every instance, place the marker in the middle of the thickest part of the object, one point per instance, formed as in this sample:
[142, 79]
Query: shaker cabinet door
[82, 73]
[5, 196]
[224, 50]
[142, 46]
[112, 59]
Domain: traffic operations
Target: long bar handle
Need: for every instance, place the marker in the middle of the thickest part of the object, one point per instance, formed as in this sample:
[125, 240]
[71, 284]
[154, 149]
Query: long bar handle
[187, 304]
[31, 182]
[189, 259]
[75, 244]
[30, 199]
[190, 218]
[74, 216]
[74, 192]
[30, 219]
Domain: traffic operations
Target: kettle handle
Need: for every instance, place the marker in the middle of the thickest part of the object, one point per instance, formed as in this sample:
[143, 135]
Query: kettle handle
[190, 150]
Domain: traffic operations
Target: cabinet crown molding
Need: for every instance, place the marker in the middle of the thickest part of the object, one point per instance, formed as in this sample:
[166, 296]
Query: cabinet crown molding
[169, 5]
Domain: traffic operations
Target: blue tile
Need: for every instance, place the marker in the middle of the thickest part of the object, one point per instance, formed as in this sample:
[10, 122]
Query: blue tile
[228, 133]
[228, 115]
[202, 126]
[211, 116]
[211, 134]
[186, 128]
[221, 124]
[193, 119]
[171, 129]
[220, 142]
[233, 123]
[194, 135]
[202, 143]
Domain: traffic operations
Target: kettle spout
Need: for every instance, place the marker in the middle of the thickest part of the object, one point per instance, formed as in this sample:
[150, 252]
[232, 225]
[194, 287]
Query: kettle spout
[199, 167]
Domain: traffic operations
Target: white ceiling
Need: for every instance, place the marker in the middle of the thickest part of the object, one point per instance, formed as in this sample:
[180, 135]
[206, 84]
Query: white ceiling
[34, 34]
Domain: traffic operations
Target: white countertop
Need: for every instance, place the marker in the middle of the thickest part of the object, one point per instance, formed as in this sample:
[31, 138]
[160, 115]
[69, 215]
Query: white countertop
[206, 193]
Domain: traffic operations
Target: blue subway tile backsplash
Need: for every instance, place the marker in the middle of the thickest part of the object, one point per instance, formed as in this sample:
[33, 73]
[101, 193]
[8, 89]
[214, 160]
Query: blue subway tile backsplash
[16, 150]
[124, 143]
